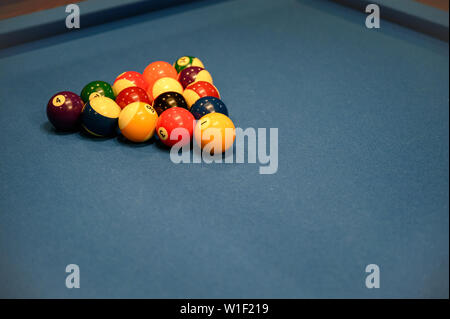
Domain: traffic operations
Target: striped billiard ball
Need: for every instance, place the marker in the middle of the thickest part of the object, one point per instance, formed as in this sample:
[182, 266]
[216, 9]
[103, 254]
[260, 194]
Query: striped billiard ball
[186, 61]
[128, 79]
[163, 85]
[199, 89]
[100, 116]
[157, 70]
[193, 74]
[137, 122]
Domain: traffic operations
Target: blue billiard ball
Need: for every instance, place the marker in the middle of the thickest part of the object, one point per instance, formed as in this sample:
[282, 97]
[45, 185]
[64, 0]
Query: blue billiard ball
[208, 104]
[99, 116]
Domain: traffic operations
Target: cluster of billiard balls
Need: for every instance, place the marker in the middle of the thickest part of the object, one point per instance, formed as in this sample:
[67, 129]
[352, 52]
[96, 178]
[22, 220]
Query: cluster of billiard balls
[161, 99]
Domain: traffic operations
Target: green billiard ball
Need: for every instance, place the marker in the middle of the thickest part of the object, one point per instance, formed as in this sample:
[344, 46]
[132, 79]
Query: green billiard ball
[186, 61]
[96, 89]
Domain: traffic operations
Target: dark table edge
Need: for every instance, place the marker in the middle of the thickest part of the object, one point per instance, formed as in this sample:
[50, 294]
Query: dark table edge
[51, 22]
[410, 19]
[47, 23]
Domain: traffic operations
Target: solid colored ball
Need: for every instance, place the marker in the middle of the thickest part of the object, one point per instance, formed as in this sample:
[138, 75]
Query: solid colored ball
[172, 119]
[208, 104]
[99, 116]
[157, 70]
[199, 89]
[167, 100]
[164, 85]
[128, 79]
[64, 110]
[193, 74]
[137, 121]
[215, 131]
[95, 89]
[187, 61]
[130, 95]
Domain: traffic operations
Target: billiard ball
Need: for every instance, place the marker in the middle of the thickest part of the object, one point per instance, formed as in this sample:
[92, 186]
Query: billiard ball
[167, 100]
[157, 70]
[127, 79]
[95, 89]
[199, 89]
[163, 85]
[215, 132]
[137, 121]
[64, 110]
[99, 116]
[187, 61]
[208, 104]
[130, 95]
[193, 74]
[172, 119]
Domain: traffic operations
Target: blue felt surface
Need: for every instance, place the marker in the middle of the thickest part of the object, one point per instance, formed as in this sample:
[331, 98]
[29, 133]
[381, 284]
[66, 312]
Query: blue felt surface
[363, 162]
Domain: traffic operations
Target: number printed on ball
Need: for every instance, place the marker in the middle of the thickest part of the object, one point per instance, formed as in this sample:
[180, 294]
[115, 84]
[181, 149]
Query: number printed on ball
[59, 100]
[94, 95]
[183, 61]
[150, 108]
[205, 123]
[162, 133]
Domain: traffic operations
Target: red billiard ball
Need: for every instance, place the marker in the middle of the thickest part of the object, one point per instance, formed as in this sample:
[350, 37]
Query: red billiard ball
[128, 79]
[199, 89]
[130, 95]
[172, 119]
[64, 110]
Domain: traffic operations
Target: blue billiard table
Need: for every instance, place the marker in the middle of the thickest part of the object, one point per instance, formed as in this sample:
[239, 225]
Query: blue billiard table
[363, 155]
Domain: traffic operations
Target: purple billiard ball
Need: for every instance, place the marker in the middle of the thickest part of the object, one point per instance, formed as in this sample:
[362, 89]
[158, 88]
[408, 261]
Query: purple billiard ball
[64, 110]
[193, 74]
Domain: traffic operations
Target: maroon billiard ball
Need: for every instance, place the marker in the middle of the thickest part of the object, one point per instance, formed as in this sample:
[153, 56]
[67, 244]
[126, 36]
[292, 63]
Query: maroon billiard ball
[132, 94]
[64, 110]
[193, 74]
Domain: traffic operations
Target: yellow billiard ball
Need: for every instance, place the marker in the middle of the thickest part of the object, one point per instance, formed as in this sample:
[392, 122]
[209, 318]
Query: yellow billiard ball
[215, 132]
[137, 121]
[164, 85]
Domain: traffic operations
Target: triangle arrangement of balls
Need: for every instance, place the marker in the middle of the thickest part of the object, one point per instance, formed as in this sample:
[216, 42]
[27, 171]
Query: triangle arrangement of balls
[162, 99]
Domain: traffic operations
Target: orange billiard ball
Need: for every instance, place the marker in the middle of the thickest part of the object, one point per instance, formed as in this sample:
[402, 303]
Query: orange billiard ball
[157, 70]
